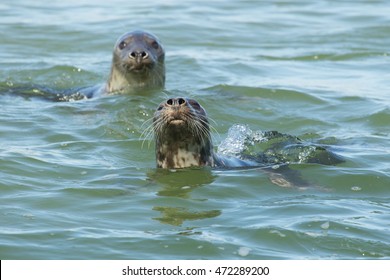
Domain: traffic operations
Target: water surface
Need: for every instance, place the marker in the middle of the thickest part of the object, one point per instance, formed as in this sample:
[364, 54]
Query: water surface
[78, 180]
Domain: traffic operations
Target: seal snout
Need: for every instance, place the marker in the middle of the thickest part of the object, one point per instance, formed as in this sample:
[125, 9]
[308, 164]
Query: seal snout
[139, 55]
[139, 58]
[175, 107]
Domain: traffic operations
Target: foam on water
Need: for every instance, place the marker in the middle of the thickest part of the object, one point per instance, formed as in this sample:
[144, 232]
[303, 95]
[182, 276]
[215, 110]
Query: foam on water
[236, 141]
[273, 147]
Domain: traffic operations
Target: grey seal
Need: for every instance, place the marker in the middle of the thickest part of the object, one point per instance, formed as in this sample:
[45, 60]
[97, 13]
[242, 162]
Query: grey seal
[137, 63]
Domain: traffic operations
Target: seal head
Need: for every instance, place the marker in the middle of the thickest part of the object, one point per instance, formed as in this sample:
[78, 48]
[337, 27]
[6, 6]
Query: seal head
[137, 63]
[182, 134]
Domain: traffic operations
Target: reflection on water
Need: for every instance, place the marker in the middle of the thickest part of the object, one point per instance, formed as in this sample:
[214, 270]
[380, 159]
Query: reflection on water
[177, 215]
[179, 184]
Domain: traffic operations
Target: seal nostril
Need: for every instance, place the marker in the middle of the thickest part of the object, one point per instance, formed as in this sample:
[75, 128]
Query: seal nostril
[170, 101]
[181, 101]
[144, 55]
[139, 54]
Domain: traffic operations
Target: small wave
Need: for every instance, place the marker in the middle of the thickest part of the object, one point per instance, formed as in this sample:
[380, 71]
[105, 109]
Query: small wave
[273, 147]
[336, 56]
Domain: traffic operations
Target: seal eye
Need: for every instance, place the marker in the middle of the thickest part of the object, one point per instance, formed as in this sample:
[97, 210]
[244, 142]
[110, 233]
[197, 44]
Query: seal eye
[122, 45]
[154, 44]
[194, 104]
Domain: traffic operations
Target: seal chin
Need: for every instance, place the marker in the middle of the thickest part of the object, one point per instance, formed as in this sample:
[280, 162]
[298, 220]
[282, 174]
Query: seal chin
[139, 68]
[176, 122]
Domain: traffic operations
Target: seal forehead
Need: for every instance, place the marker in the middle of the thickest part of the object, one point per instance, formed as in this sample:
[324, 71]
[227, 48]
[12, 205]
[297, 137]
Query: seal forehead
[196, 106]
[137, 34]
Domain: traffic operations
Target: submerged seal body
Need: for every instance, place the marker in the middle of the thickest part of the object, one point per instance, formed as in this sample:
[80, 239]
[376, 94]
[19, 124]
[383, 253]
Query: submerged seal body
[137, 63]
[183, 138]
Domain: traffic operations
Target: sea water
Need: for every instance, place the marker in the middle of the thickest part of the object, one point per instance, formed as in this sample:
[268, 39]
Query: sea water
[78, 179]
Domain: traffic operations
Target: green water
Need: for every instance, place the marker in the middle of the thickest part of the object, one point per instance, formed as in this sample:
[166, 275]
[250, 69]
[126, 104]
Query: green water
[78, 180]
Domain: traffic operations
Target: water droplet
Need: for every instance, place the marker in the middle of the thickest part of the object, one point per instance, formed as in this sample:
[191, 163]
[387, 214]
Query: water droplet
[243, 251]
[356, 188]
[325, 225]
[278, 233]
[236, 140]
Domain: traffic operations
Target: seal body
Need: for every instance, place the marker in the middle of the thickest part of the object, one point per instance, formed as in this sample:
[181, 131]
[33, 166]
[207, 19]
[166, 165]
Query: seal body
[183, 139]
[137, 63]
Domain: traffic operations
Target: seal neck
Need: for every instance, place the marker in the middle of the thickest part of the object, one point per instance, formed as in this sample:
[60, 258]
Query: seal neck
[182, 154]
[120, 81]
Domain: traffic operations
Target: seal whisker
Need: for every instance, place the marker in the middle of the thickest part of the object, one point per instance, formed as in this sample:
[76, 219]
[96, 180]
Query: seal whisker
[210, 127]
[211, 119]
[165, 94]
[159, 126]
[155, 127]
[147, 132]
[201, 131]
[146, 122]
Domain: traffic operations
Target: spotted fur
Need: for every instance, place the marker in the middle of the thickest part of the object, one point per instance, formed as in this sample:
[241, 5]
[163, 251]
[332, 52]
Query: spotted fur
[182, 134]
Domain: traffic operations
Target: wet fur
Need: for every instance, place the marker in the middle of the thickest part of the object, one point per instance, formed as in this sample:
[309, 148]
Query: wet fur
[182, 135]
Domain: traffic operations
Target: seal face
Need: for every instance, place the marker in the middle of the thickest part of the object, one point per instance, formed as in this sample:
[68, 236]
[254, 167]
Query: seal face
[137, 63]
[182, 134]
